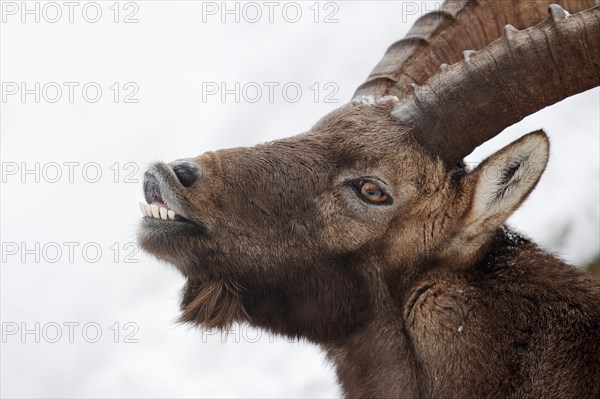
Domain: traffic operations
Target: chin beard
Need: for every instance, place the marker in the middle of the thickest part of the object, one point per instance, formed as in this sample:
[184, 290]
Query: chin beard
[212, 304]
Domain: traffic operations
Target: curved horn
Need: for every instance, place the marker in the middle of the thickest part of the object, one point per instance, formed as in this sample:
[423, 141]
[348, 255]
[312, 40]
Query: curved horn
[440, 37]
[470, 102]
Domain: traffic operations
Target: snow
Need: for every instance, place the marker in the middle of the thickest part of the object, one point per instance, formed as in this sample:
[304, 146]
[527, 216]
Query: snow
[169, 54]
[371, 100]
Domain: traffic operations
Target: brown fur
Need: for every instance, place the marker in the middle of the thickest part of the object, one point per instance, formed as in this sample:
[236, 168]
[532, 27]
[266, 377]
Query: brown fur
[399, 307]
[213, 304]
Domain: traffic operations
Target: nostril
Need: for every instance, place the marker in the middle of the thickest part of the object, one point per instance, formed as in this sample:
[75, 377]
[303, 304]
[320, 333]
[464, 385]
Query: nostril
[187, 172]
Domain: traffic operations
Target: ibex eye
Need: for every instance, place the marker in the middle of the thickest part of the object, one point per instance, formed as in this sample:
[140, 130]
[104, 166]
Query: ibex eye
[371, 192]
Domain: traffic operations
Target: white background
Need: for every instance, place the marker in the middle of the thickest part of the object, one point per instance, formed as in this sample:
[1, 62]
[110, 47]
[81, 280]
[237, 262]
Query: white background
[168, 54]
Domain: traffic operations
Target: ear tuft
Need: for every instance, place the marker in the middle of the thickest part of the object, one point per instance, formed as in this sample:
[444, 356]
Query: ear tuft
[504, 180]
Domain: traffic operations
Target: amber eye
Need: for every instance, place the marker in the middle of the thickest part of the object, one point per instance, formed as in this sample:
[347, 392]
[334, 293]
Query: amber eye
[371, 192]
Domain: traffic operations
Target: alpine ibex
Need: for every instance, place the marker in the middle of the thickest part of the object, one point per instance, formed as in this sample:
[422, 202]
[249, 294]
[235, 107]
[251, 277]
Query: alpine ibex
[368, 236]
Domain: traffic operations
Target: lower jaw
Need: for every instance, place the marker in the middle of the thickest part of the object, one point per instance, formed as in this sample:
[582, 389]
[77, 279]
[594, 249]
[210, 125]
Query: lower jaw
[177, 224]
[171, 241]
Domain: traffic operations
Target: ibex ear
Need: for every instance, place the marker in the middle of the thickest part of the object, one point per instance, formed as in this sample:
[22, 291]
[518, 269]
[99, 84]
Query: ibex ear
[502, 182]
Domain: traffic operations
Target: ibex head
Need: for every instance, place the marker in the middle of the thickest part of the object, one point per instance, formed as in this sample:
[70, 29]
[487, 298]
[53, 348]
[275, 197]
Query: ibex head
[294, 221]
[319, 234]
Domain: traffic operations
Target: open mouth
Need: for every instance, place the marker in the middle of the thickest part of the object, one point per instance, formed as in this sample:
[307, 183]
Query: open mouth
[164, 207]
[156, 207]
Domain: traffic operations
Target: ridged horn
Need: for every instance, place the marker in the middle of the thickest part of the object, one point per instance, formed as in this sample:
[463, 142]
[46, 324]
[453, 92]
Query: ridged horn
[440, 37]
[522, 72]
